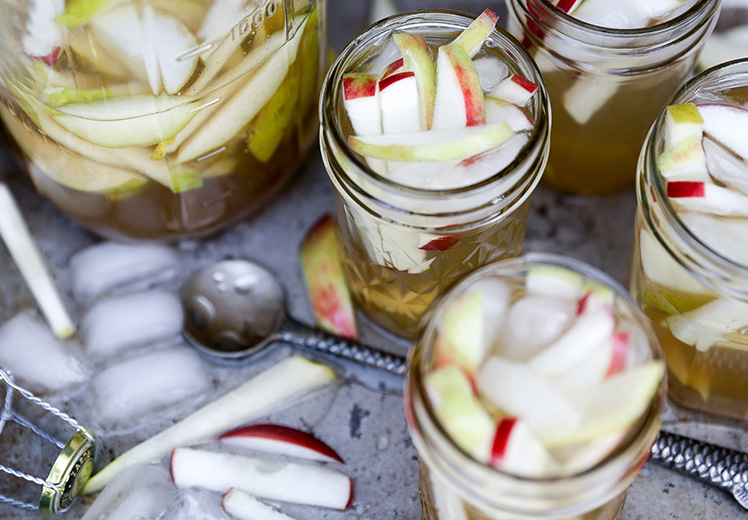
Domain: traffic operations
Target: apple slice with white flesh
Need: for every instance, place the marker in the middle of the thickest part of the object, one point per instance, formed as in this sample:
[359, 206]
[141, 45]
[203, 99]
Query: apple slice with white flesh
[434, 145]
[515, 89]
[522, 392]
[575, 459]
[322, 264]
[681, 122]
[361, 102]
[459, 96]
[446, 380]
[517, 450]
[554, 282]
[610, 358]
[727, 125]
[277, 385]
[591, 330]
[42, 37]
[472, 38]
[24, 251]
[709, 324]
[126, 121]
[400, 103]
[395, 67]
[725, 236]
[498, 110]
[587, 95]
[725, 167]
[283, 481]
[417, 58]
[708, 198]
[684, 161]
[281, 440]
[567, 6]
[243, 506]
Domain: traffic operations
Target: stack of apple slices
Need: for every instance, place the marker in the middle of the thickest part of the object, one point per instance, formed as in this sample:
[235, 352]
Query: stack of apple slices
[705, 166]
[542, 380]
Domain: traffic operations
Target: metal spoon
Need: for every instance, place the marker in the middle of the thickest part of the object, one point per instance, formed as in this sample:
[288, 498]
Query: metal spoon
[235, 308]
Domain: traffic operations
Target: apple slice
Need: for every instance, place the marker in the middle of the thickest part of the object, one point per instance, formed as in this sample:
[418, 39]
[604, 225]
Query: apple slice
[400, 103]
[709, 324]
[517, 450]
[554, 282]
[361, 102]
[498, 110]
[282, 440]
[515, 89]
[243, 506]
[42, 37]
[708, 198]
[174, 43]
[726, 124]
[121, 122]
[283, 382]
[681, 122]
[434, 145]
[684, 161]
[446, 380]
[459, 96]
[621, 351]
[725, 167]
[472, 38]
[567, 6]
[587, 95]
[322, 263]
[395, 67]
[78, 12]
[417, 56]
[725, 236]
[271, 124]
[271, 479]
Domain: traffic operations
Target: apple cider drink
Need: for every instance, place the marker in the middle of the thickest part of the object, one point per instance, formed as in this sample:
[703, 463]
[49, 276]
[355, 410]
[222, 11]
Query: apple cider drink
[690, 265]
[161, 119]
[535, 391]
[434, 133]
[609, 67]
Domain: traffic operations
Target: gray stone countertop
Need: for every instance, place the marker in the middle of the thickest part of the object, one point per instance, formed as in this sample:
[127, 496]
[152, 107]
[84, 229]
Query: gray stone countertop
[597, 231]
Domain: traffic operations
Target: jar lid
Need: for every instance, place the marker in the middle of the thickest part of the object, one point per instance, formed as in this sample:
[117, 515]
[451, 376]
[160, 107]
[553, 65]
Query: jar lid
[69, 473]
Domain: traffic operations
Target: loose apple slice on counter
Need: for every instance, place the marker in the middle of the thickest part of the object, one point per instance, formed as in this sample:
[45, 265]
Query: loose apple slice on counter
[400, 103]
[515, 89]
[271, 479]
[472, 38]
[709, 324]
[725, 167]
[516, 450]
[434, 145]
[243, 506]
[322, 264]
[361, 102]
[708, 198]
[282, 440]
[459, 98]
[417, 57]
[684, 161]
[681, 122]
[498, 110]
[277, 385]
[726, 124]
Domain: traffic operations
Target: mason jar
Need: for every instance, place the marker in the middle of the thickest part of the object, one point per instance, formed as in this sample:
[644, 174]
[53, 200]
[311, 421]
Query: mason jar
[454, 484]
[161, 120]
[403, 243]
[606, 86]
[685, 279]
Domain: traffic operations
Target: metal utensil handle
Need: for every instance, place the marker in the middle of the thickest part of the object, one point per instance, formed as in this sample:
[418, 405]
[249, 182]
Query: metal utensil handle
[323, 342]
[720, 467]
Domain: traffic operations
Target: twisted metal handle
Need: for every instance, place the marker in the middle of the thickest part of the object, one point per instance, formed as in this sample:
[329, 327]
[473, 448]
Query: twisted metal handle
[720, 467]
[298, 334]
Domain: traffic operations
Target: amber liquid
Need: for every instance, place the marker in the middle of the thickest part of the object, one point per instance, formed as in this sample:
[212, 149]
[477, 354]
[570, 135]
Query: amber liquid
[234, 181]
[395, 299]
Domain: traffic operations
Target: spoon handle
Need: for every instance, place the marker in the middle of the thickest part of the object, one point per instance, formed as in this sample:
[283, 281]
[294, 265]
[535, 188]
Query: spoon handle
[323, 342]
[720, 467]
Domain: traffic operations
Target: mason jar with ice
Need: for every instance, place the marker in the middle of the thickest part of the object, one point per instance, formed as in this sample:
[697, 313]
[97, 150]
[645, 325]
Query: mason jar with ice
[434, 132]
[160, 119]
[609, 67]
[534, 391]
[689, 270]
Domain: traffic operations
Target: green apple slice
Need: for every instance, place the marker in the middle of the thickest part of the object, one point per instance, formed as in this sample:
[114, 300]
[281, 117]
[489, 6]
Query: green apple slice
[142, 120]
[270, 124]
[173, 41]
[78, 12]
[710, 323]
[418, 59]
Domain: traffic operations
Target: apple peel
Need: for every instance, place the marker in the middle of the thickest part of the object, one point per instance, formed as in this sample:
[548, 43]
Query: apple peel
[282, 440]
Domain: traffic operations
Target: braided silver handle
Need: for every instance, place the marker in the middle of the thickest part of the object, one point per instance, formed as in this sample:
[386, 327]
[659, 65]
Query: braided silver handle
[298, 334]
[720, 467]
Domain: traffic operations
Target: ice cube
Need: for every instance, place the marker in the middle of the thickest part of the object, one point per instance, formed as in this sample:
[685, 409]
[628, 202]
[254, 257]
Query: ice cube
[148, 384]
[105, 266]
[39, 359]
[491, 71]
[198, 504]
[726, 167]
[726, 236]
[120, 322]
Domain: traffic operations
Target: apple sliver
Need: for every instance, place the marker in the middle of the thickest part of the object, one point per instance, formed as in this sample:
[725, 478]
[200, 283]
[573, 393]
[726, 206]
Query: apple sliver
[708, 198]
[243, 506]
[515, 89]
[417, 58]
[399, 102]
[459, 96]
[517, 450]
[361, 102]
[471, 39]
[281, 440]
[434, 145]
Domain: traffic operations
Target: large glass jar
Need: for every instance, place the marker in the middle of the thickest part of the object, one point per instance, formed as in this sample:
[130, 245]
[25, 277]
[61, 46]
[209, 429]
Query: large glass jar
[606, 87]
[161, 120]
[684, 276]
[454, 482]
[405, 244]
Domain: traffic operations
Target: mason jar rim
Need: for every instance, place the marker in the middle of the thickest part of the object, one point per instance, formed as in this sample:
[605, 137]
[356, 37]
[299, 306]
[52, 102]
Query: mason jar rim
[722, 75]
[447, 18]
[593, 479]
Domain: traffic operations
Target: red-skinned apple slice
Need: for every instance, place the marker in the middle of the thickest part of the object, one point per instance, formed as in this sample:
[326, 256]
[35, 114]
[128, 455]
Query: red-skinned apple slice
[42, 37]
[621, 348]
[321, 262]
[283, 382]
[395, 67]
[727, 125]
[498, 110]
[417, 56]
[243, 506]
[568, 6]
[361, 102]
[459, 96]
[290, 482]
[282, 440]
[400, 103]
[515, 89]
[681, 122]
[472, 38]
[517, 450]
[708, 198]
